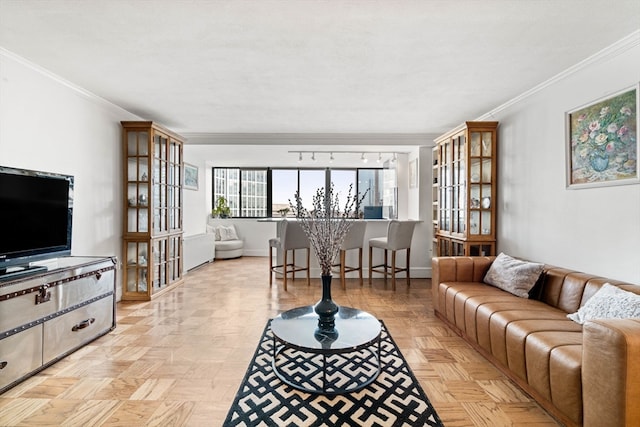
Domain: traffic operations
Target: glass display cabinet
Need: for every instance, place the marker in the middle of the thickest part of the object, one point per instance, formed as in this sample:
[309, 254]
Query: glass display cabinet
[153, 179]
[465, 190]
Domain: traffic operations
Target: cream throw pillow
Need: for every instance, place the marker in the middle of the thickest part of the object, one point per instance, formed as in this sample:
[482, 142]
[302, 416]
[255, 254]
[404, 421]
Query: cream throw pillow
[513, 275]
[227, 232]
[610, 302]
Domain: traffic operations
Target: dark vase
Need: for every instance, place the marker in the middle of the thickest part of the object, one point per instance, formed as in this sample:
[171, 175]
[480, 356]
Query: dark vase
[326, 309]
[599, 162]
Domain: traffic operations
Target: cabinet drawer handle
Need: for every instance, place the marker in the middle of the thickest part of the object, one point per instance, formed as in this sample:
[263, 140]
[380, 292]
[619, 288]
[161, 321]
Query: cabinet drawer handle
[83, 324]
[43, 295]
[3, 364]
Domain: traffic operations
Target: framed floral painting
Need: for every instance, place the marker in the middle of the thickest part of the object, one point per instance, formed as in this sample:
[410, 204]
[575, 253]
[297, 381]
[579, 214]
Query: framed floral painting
[602, 141]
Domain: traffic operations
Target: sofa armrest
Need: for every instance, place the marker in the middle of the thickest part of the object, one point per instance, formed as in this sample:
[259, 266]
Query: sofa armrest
[611, 372]
[457, 269]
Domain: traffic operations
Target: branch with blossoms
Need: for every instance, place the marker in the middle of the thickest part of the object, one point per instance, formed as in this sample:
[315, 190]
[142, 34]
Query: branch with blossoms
[326, 225]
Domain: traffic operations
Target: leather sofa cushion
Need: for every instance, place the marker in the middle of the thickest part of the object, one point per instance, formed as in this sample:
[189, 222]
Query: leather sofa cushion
[448, 292]
[566, 380]
[490, 312]
[516, 334]
[541, 354]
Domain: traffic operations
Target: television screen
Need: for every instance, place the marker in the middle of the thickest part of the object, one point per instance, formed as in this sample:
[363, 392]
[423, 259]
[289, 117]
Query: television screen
[36, 211]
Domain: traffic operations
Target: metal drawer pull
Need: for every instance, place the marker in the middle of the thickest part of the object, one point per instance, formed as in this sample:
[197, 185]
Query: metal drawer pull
[3, 364]
[43, 295]
[83, 324]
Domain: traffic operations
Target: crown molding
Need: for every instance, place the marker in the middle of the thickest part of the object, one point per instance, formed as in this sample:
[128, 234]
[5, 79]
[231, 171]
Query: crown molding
[309, 138]
[90, 96]
[616, 49]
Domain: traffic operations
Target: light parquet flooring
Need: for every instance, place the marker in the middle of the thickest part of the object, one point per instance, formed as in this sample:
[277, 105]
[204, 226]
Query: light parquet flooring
[179, 359]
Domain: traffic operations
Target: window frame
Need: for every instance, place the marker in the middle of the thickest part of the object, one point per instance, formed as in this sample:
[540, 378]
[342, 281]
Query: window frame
[269, 190]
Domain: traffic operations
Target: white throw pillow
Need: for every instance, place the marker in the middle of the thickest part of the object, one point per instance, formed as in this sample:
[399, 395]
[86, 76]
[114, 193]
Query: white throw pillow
[214, 230]
[513, 275]
[227, 233]
[610, 302]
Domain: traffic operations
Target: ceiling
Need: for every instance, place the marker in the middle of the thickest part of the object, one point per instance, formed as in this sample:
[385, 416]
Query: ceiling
[311, 67]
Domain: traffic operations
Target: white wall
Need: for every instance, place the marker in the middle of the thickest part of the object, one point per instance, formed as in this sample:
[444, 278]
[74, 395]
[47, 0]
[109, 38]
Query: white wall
[47, 124]
[595, 230]
[256, 234]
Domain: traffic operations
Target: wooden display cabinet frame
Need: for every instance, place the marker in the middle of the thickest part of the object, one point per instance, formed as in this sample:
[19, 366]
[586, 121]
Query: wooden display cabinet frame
[465, 190]
[153, 177]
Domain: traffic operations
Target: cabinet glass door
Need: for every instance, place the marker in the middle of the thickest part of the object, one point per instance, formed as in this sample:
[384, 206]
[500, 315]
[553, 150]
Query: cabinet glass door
[480, 185]
[174, 187]
[458, 186]
[445, 186]
[175, 256]
[137, 258]
[160, 144]
[137, 217]
[160, 279]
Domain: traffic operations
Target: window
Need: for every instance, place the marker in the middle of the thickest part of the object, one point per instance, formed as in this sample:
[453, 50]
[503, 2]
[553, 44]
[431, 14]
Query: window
[310, 180]
[382, 193]
[244, 189]
[254, 193]
[262, 192]
[341, 180]
[284, 184]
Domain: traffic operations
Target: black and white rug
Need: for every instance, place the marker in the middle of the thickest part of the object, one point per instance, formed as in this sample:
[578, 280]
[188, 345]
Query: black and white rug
[395, 398]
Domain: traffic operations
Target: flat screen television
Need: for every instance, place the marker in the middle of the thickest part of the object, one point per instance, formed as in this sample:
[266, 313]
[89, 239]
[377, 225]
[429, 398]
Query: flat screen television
[36, 212]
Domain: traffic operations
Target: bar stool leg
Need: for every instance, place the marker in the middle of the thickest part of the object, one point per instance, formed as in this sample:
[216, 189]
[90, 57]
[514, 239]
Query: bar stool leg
[393, 270]
[386, 266]
[360, 264]
[284, 268]
[308, 267]
[408, 275]
[370, 263]
[270, 266]
[343, 257]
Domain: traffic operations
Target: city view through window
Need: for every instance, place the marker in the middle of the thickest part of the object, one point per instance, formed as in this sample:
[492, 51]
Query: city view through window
[247, 190]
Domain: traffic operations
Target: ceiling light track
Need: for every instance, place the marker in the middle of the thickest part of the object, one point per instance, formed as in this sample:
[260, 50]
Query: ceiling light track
[362, 153]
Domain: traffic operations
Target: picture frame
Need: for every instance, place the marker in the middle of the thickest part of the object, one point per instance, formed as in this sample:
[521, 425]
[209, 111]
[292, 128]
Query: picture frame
[413, 173]
[190, 177]
[602, 141]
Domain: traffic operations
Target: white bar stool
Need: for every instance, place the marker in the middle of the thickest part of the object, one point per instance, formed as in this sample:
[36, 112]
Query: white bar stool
[353, 240]
[291, 237]
[399, 235]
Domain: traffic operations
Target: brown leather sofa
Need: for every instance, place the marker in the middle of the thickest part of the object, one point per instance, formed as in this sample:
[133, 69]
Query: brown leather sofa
[582, 375]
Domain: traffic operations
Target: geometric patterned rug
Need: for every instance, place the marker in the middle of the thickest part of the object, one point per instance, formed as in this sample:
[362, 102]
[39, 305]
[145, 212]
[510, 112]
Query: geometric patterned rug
[395, 398]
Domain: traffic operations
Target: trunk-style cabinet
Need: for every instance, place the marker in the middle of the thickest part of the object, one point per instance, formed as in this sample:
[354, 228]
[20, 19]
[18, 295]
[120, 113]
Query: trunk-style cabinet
[465, 191]
[48, 315]
[152, 238]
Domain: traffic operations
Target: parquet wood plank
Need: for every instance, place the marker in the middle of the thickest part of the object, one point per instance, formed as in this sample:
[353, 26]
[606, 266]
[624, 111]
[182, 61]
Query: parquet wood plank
[178, 360]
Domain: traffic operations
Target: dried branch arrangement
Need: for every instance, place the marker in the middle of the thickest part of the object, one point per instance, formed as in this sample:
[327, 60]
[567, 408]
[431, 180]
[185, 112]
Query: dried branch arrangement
[326, 225]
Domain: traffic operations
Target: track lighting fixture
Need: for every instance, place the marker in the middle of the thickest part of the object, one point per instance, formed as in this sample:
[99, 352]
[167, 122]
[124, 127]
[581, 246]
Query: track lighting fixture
[363, 155]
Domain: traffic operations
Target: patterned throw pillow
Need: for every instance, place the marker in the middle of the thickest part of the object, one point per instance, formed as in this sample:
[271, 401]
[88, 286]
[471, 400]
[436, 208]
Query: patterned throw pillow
[513, 275]
[610, 302]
